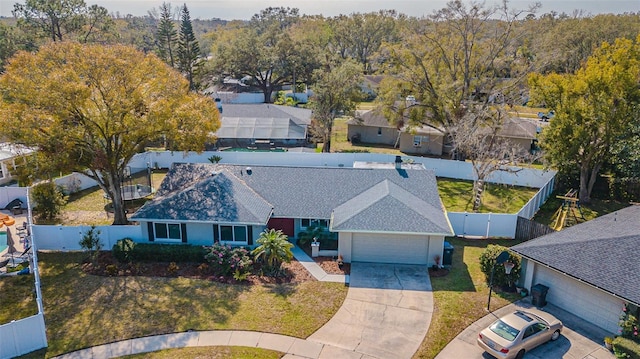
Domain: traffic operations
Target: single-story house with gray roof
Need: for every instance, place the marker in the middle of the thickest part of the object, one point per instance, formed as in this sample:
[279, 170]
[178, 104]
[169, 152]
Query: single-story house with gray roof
[591, 269]
[262, 125]
[380, 215]
[372, 127]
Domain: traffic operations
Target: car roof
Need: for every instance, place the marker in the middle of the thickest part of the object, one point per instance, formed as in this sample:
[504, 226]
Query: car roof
[520, 319]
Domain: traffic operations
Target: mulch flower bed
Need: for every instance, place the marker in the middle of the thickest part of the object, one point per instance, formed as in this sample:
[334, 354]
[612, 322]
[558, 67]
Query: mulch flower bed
[438, 272]
[293, 272]
[330, 265]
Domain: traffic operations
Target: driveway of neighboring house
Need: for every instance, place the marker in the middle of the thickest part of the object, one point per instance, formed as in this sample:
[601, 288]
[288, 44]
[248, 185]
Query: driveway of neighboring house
[386, 313]
[579, 340]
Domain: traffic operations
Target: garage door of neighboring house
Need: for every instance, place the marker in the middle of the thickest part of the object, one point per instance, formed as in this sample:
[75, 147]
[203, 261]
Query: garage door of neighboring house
[283, 224]
[366, 247]
[588, 303]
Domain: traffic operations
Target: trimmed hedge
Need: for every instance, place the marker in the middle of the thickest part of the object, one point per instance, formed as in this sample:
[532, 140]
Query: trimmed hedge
[626, 348]
[152, 252]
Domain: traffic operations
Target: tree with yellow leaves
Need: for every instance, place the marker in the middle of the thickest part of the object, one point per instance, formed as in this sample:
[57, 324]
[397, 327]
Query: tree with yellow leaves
[90, 108]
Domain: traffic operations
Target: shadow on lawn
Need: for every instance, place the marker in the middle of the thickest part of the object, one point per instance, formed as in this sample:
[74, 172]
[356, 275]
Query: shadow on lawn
[458, 279]
[85, 310]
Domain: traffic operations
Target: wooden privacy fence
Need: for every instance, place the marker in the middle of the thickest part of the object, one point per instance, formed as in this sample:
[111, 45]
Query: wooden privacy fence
[527, 229]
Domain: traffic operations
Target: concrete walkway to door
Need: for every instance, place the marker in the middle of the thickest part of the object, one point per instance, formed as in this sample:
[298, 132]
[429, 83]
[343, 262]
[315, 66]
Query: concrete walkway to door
[386, 314]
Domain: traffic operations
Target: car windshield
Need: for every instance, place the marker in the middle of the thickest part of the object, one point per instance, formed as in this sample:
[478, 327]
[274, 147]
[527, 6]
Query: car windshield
[504, 330]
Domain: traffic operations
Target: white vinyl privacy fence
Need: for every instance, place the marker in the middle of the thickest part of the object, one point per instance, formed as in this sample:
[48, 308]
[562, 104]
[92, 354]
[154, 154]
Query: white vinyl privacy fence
[67, 238]
[24, 335]
[479, 225]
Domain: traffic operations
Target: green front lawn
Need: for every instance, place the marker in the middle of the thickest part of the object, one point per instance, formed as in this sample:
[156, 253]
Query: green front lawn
[83, 310]
[460, 298]
[17, 299]
[457, 196]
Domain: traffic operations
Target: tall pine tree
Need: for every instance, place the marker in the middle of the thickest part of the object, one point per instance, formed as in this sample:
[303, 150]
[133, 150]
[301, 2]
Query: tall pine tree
[188, 48]
[166, 35]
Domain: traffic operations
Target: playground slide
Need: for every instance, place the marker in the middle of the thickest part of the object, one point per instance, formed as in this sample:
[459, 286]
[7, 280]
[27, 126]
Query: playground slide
[561, 219]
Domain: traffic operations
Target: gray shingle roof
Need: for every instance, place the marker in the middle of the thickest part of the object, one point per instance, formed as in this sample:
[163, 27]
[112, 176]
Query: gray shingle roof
[311, 192]
[373, 118]
[369, 211]
[215, 197]
[300, 116]
[519, 128]
[602, 252]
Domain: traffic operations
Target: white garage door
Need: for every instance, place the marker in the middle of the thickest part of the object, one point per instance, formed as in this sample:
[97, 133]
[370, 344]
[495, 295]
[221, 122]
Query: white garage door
[588, 303]
[389, 248]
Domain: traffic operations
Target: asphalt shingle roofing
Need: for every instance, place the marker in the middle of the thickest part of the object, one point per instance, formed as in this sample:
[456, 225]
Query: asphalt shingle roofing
[307, 192]
[215, 197]
[602, 252]
[365, 211]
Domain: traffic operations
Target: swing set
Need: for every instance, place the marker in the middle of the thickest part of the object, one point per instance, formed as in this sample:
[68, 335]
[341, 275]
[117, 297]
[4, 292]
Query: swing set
[567, 214]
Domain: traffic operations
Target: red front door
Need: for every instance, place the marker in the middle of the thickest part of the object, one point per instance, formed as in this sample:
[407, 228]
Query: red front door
[283, 224]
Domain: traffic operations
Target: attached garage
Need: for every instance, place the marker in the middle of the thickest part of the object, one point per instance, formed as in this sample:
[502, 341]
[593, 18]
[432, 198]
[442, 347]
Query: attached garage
[588, 267]
[381, 248]
[583, 300]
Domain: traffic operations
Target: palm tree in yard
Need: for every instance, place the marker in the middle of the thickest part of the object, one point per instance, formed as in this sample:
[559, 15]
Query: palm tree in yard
[274, 248]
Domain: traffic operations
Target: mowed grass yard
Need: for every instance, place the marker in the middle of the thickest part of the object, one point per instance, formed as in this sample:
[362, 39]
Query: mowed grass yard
[460, 298]
[84, 310]
[457, 196]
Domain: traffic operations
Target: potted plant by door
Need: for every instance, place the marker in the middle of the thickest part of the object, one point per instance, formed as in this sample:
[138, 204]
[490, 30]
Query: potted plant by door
[608, 343]
[340, 261]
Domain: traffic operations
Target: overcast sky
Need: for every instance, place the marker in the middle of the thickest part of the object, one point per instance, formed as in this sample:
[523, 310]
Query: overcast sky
[244, 9]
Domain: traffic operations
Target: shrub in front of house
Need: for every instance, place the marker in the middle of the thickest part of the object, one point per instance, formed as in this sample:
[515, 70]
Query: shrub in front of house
[124, 251]
[500, 278]
[229, 261]
[626, 348]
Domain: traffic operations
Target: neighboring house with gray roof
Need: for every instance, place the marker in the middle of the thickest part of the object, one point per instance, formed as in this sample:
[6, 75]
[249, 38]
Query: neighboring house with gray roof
[591, 269]
[262, 125]
[380, 215]
[372, 127]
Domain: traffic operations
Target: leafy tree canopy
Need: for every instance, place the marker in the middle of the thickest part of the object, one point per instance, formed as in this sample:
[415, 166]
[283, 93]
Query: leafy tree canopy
[60, 20]
[596, 107]
[92, 107]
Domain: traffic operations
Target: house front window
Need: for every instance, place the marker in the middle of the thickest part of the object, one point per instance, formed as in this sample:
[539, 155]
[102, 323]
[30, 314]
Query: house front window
[230, 234]
[417, 141]
[167, 231]
[379, 131]
[308, 222]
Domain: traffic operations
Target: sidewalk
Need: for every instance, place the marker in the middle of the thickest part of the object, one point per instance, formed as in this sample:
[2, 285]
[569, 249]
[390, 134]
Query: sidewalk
[292, 347]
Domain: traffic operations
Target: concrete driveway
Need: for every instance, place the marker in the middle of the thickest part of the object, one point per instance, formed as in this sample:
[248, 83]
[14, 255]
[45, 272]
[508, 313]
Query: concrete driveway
[386, 313]
[579, 339]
